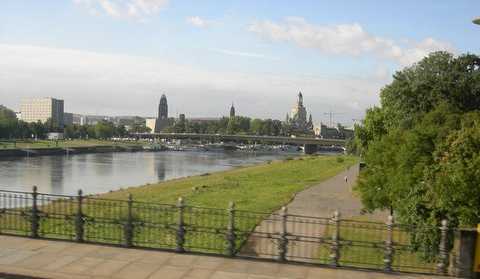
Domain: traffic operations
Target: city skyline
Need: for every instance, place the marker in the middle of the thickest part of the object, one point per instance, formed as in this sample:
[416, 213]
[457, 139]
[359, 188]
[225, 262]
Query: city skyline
[108, 57]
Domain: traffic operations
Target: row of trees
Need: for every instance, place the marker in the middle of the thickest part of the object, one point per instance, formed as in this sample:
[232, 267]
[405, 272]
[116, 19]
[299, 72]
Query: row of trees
[422, 146]
[12, 128]
[234, 125]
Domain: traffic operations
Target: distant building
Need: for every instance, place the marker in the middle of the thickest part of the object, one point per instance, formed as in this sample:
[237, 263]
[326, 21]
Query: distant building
[42, 109]
[67, 118]
[83, 120]
[181, 117]
[202, 119]
[151, 123]
[232, 111]
[162, 119]
[18, 114]
[297, 118]
[163, 108]
[55, 136]
[338, 132]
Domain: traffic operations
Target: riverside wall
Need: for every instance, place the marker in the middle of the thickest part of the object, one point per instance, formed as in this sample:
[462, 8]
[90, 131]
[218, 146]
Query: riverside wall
[30, 152]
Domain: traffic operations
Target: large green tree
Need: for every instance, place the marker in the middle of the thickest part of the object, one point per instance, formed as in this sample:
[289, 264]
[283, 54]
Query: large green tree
[421, 146]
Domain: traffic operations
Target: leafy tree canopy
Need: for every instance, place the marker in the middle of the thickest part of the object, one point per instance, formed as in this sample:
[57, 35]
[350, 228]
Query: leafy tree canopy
[422, 145]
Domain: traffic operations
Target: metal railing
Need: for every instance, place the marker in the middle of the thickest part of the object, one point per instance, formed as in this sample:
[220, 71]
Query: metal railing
[230, 232]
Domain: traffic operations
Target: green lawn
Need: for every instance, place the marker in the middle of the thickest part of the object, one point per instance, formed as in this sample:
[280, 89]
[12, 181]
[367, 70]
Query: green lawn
[21, 144]
[362, 244]
[262, 188]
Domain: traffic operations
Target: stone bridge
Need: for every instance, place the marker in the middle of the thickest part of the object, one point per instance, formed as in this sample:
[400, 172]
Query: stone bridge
[311, 144]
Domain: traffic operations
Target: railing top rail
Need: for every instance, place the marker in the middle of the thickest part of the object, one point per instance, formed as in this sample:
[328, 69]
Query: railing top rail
[15, 192]
[309, 217]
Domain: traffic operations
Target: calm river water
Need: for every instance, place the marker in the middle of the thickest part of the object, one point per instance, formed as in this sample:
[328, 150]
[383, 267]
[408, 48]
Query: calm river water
[102, 172]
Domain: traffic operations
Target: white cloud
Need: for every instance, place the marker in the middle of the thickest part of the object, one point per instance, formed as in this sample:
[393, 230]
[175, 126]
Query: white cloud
[138, 9]
[98, 83]
[344, 39]
[417, 51]
[242, 53]
[198, 22]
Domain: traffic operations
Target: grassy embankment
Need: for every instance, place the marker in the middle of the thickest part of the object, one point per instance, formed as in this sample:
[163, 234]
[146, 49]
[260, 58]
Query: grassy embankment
[32, 144]
[262, 188]
[366, 247]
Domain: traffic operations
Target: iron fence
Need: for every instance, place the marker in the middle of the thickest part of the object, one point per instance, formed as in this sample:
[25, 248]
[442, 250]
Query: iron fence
[236, 233]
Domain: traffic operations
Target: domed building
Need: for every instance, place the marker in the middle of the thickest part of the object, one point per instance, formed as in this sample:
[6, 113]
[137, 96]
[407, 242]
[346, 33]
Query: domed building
[297, 118]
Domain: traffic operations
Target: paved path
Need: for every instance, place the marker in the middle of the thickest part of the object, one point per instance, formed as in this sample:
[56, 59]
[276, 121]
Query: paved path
[333, 194]
[319, 201]
[55, 259]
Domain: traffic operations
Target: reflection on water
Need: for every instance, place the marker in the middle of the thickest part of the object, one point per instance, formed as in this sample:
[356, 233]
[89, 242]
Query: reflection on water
[102, 172]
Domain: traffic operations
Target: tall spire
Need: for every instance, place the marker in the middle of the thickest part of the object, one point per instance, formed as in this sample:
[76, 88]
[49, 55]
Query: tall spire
[232, 111]
[300, 99]
[163, 108]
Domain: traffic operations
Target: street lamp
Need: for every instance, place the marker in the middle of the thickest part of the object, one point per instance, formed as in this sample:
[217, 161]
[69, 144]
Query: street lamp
[477, 20]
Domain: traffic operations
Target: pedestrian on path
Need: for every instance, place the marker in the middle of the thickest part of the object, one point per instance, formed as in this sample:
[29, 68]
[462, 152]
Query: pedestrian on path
[346, 179]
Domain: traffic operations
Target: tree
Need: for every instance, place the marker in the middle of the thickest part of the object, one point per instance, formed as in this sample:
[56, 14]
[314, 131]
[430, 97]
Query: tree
[421, 146]
[39, 130]
[104, 130]
[8, 122]
[121, 131]
[70, 132]
[256, 126]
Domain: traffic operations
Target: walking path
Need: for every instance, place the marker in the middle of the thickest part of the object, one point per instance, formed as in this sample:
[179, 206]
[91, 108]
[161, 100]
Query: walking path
[55, 259]
[333, 194]
[319, 201]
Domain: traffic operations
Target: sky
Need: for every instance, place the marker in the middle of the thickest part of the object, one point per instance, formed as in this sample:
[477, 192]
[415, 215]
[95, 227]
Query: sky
[117, 57]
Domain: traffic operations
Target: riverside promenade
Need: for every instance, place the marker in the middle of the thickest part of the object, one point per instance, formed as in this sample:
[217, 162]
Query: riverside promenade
[55, 259]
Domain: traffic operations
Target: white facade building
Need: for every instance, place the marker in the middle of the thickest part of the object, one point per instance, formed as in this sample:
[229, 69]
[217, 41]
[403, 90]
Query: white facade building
[151, 123]
[42, 109]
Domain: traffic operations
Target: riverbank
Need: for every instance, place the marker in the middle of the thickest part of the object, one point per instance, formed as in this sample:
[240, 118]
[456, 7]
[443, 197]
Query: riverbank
[26, 148]
[43, 144]
[30, 152]
[262, 188]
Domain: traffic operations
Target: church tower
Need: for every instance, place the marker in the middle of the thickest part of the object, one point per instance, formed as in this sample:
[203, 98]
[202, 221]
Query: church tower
[162, 120]
[163, 108]
[300, 99]
[232, 111]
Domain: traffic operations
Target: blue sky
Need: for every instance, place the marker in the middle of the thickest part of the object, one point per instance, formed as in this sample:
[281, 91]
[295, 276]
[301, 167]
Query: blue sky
[119, 56]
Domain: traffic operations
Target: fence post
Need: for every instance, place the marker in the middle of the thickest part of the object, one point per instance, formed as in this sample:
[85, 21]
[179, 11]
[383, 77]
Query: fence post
[231, 230]
[79, 221]
[180, 226]
[35, 220]
[128, 230]
[335, 247]
[466, 253]
[443, 253]
[389, 245]
[283, 241]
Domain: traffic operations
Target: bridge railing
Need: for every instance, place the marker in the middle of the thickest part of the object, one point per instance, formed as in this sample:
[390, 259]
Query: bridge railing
[278, 236]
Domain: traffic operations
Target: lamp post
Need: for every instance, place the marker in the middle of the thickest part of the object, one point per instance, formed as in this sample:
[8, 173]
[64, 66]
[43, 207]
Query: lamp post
[476, 20]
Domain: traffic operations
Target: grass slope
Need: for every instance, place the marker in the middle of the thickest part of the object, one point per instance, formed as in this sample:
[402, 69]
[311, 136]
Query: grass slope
[261, 188]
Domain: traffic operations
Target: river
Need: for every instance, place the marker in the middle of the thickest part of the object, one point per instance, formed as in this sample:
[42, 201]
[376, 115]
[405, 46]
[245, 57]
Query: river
[103, 172]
